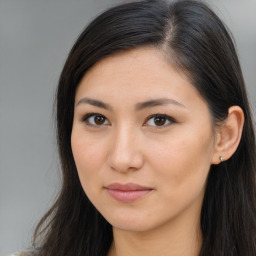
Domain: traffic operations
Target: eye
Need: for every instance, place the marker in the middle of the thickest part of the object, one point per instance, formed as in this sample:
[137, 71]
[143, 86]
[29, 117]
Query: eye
[94, 119]
[159, 120]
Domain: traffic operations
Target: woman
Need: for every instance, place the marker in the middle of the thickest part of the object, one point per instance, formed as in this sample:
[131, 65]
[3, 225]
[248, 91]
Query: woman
[155, 138]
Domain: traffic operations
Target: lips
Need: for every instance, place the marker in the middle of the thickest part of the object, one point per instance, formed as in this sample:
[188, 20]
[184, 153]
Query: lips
[127, 192]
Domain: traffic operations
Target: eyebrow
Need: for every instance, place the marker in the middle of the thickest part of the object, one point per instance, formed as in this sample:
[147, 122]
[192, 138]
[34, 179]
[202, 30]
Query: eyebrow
[158, 102]
[138, 106]
[94, 102]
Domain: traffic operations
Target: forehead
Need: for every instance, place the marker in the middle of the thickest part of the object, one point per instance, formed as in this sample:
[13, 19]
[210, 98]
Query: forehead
[138, 74]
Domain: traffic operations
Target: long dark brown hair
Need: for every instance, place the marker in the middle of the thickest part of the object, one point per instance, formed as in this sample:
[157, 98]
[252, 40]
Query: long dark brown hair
[199, 45]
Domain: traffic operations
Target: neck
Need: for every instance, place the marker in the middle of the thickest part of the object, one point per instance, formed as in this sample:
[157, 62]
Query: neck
[177, 239]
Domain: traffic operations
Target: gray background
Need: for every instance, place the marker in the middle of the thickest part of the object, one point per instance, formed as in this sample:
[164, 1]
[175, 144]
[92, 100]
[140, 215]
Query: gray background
[35, 38]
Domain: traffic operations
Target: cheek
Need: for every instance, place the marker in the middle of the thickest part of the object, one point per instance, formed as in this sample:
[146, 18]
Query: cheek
[88, 149]
[87, 159]
[182, 161]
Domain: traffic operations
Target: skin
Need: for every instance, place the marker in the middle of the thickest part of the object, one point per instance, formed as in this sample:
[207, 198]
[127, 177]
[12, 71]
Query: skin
[127, 146]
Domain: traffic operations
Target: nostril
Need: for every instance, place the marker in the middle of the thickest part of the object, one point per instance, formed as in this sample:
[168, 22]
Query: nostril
[123, 161]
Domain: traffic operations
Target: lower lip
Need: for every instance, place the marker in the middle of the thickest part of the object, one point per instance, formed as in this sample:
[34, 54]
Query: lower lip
[127, 195]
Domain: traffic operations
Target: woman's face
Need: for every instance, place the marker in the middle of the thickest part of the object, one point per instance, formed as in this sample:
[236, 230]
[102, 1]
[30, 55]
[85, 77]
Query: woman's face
[142, 141]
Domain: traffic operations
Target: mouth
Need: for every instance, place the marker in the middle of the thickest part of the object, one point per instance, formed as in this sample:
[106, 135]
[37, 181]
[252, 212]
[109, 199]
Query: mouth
[127, 192]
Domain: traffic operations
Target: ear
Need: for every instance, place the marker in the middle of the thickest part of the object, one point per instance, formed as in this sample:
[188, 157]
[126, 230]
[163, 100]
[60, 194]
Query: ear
[228, 135]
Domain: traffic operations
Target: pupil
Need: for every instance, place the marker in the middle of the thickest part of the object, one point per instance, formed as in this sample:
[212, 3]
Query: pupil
[99, 119]
[159, 121]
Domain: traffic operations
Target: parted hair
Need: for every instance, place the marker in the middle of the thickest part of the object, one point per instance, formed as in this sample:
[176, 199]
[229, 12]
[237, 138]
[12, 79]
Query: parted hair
[198, 44]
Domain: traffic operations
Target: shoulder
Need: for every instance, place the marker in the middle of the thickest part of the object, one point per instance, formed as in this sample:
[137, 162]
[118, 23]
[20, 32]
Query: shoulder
[25, 253]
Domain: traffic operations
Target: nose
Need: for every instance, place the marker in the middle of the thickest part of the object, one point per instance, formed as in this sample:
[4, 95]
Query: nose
[125, 153]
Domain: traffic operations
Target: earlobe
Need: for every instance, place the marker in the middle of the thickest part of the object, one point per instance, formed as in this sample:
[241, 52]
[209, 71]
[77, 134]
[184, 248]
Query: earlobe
[228, 135]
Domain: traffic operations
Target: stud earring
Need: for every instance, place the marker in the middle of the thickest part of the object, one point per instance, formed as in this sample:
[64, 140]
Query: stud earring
[221, 159]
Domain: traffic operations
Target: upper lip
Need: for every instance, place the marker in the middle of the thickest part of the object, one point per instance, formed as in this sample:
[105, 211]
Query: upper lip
[127, 187]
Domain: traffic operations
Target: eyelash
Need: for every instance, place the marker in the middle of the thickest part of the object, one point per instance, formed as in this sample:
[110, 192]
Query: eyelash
[166, 118]
[87, 116]
[170, 119]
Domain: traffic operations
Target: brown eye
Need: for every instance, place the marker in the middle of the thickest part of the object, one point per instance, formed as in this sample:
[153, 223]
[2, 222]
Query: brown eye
[159, 121]
[92, 119]
[99, 120]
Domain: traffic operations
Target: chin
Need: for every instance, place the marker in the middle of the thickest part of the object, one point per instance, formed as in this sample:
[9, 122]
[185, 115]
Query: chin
[130, 221]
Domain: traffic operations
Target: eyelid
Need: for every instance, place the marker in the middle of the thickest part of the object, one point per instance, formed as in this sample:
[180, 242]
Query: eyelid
[87, 116]
[168, 118]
